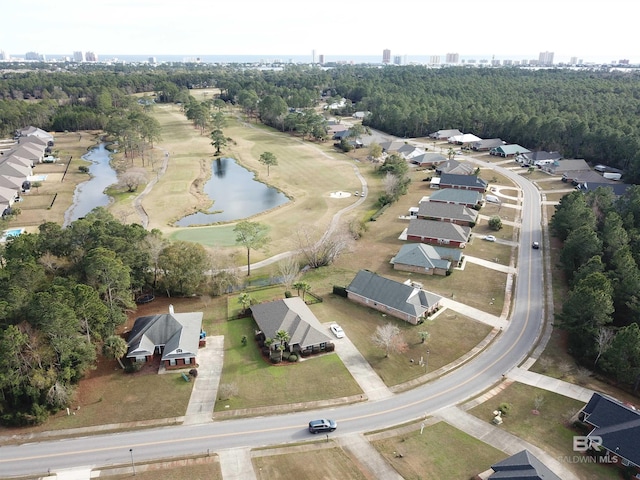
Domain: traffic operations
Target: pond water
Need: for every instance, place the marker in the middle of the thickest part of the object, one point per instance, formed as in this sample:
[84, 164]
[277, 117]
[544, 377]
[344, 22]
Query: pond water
[90, 194]
[236, 195]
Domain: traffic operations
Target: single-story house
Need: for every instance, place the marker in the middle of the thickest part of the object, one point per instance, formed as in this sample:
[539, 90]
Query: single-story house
[584, 176]
[454, 166]
[428, 159]
[15, 169]
[617, 425]
[175, 336]
[618, 188]
[38, 132]
[409, 151]
[341, 134]
[508, 150]
[438, 233]
[487, 144]
[523, 465]
[538, 158]
[361, 114]
[392, 147]
[463, 182]
[560, 167]
[463, 139]
[444, 134]
[469, 198]
[307, 335]
[408, 302]
[426, 259]
[448, 212]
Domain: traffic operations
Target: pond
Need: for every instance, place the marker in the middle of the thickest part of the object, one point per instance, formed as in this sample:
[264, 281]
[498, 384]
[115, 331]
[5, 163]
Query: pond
[236, 195]
[90, 194]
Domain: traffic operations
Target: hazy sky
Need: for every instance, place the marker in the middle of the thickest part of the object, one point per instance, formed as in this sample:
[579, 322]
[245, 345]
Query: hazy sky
[582, 28]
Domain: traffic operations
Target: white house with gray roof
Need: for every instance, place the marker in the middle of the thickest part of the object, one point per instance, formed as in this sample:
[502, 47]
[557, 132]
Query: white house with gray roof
[175, 336]
[407, 302]
[426, 259]
[292, 315]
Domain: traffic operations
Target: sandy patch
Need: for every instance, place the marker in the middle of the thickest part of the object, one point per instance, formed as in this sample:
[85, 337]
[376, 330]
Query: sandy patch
[340, 194]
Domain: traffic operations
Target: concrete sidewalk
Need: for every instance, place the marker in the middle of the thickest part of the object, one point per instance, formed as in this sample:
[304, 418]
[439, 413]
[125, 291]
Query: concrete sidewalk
[551, 384]
[205, 389]
[368, 456]
[492, 265]
[474, 313]
[235, 464]
[500, 439]
[369, 381]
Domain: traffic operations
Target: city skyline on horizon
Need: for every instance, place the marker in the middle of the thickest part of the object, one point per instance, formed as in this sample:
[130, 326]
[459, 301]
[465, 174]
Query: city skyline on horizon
[279, 29]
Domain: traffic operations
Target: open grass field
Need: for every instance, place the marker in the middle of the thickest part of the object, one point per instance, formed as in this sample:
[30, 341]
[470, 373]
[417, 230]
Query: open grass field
[548, 430]
[203, 468]
[441, 451]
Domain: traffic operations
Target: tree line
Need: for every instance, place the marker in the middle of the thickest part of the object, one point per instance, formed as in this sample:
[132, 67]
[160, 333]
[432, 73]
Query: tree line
[600, 258]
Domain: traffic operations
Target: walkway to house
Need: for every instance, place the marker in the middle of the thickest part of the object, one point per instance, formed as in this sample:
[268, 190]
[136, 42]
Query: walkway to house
[205, 389]
[474, 313]
[369, 381]
[492, 265]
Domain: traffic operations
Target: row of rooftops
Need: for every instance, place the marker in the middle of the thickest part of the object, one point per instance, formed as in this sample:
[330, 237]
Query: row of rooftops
[17, 159]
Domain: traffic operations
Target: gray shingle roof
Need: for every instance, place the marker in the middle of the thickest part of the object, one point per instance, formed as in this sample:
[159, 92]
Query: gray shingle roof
[522, 466]
[468, 197]
[438, 230]
[454, 211]
[292, 315]
[399, 296]
[429, 158]
[422, 255]
[462, 180]
[177, 331]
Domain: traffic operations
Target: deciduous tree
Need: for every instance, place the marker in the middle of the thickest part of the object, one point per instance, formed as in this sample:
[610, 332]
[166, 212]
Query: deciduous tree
[389, 338]
[252, 236]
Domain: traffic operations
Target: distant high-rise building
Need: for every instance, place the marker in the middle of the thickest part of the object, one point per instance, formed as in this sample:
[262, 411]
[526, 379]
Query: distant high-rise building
[78, 57]
[33, 56]
[507, 62]
[434, 60]
[90, 57]
[386, 56]
[397, 60]
[452, 58]
[624, 61]
[153, 60]
[313, 56]
[573, 61]
[3, 56]
[545, 58]
[321, 59]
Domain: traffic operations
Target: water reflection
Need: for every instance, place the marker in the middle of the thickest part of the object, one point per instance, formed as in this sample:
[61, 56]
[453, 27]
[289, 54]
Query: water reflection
[90, 194]
[236, 195]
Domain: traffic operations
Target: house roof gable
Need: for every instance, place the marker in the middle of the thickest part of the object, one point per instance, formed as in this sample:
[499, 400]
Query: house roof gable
[421, 255]
[438, 230]
[453, 211]
[455, 195]
[522, 466]
[174, 331]
[462, 180]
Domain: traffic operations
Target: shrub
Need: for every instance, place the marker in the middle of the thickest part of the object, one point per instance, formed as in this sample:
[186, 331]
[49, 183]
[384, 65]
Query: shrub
[193, 372]
[330, 347]
[504, 408]
[287, 294]
[495, 223]
[83, 169]
[133, 367]
[293, 357]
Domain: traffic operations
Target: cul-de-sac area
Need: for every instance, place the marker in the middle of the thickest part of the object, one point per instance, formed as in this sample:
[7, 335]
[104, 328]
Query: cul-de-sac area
[243, 275]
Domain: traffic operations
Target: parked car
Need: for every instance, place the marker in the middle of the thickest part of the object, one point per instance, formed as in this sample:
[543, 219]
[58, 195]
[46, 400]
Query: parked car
[337, 330]
[322, 425]
[535, 245]
[490, 238]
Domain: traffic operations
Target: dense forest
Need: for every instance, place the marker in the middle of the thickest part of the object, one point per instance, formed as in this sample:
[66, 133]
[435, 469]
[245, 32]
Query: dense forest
[64, 293]
[600, 258]
[582, 114]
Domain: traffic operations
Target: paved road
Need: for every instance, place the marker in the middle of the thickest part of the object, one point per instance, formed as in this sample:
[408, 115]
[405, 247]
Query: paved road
[508, 350]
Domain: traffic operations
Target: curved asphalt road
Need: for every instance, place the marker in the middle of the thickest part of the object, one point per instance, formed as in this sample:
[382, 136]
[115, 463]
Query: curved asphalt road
[507, 351]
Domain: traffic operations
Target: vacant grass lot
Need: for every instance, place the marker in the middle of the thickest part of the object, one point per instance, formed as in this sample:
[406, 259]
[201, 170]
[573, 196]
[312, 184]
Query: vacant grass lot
[440, 452]
[321, 463]
[548, 430]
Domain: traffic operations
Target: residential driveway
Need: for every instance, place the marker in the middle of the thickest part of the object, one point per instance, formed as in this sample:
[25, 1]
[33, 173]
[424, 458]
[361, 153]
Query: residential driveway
[492, 265]
[474, 313]
[371, 384]
[205, 389]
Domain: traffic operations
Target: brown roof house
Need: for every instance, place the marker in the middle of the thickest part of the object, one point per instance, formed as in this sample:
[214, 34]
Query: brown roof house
[426, 259]
[174, 336]
[406, 301]
[294, 316]
[438, 233]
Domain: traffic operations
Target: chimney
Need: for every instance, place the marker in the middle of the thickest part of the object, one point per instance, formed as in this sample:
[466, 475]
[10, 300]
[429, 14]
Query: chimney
[171, 309]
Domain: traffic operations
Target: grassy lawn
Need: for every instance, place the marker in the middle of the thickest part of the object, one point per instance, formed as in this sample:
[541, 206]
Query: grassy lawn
[207, 468]
[452, 335]
[441, 451]
[548, 430]
[260, 383]
[321, 463]
[491, 251]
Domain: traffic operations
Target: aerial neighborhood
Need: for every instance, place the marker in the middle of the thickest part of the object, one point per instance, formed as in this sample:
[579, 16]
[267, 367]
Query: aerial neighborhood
[437, 305]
